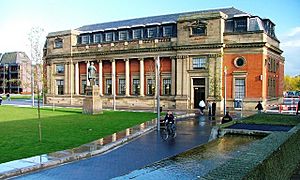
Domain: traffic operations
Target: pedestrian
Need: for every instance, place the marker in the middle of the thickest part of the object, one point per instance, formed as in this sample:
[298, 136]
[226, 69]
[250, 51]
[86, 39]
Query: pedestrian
[0, 99]
[202, 107]
[227, 118]
[8, 96]
[209, 106]
[297, 112]
[213, 108]
[259, 107]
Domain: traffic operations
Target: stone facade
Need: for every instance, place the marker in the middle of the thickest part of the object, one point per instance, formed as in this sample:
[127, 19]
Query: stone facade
[193, 50]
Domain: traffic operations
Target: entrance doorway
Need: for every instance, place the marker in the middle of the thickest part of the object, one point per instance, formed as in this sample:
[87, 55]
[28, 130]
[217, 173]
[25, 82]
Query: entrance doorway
[199, 91]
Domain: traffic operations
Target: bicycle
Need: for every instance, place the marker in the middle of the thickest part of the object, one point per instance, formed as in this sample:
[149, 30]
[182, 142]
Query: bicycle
[167, 131]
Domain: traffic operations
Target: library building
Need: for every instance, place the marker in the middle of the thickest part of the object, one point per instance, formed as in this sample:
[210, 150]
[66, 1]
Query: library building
[225, 55]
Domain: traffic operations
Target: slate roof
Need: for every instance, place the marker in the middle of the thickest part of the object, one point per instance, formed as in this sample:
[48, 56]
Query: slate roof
[154, 19]
[14, 58]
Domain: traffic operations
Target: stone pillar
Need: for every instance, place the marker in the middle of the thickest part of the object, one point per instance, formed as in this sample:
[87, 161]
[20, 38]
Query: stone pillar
[66, 79]
[179, 76]
[71, 78]
[185, 81]
[211, 78]
[77, 78]
[100, 78]
[53, 83]
[173, 71]
[49, 77]
[127, 78]
[142, 79]
[87, 76]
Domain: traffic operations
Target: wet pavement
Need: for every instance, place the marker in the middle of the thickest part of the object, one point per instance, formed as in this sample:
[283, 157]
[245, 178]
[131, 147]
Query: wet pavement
[196, 162]
[133, 155]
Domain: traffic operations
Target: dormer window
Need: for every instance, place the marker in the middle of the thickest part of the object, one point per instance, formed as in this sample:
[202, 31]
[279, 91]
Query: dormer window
[58, 43]
[167, 31]
[240, 25]
[85, 39]
[151, 32]
[108, 36]
[198, 28]
[137, 34]
[97, 38]
[123, 35]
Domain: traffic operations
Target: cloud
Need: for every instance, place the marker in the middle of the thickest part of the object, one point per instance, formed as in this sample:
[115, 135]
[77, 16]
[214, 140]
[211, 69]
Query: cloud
[290, 44]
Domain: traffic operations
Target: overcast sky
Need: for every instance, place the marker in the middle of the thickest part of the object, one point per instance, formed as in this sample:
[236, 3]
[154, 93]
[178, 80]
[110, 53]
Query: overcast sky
[18, 16]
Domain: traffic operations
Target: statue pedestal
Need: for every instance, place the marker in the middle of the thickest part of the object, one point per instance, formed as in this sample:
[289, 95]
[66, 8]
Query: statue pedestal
[92, 104]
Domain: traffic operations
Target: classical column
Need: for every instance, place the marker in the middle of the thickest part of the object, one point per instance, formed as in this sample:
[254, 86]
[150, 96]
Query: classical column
[179, 76]
[76, 78]
[113, 66]
[185, 81]
[48, 76]
[66, 79]
[71, 78]
[173, 71]
[87, 74]
[52, 80]
[100, 77]
[127, 78]
[142, 79]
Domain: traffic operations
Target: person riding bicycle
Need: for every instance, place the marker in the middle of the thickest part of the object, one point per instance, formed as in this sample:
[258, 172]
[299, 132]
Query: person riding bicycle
[170, 122]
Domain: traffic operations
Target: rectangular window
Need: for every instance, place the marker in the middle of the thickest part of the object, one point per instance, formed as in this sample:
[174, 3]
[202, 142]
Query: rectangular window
[60, 68]
[199, 30]
[60, 87]
[150, 86]
[239, 88]
[137, 34]
[136, 86]
[199, 62]
[240, 25]
[85, 39]
[167, 86]
[109, 37]
[97, 38]
[167, 31]
[83, 85]
[123, 35]
[151, 32]
[58, 43]
[121, 86]
[108, 87]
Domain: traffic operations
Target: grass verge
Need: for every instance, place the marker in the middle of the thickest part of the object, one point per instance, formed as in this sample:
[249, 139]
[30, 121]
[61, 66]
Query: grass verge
[61, 129]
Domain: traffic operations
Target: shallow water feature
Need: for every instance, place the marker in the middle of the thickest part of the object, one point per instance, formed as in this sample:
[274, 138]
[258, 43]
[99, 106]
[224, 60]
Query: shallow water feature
[196, 162]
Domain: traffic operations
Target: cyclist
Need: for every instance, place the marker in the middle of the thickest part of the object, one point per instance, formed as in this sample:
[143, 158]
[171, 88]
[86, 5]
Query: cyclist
[170, 123]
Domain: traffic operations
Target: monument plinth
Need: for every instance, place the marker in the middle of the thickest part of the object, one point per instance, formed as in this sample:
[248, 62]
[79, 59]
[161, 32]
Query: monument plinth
[92, 103]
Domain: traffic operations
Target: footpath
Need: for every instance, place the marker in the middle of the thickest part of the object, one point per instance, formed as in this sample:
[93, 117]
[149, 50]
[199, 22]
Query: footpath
[26, 165]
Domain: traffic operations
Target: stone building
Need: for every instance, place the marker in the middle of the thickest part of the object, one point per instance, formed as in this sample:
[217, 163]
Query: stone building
[199, 53]
[15, 70]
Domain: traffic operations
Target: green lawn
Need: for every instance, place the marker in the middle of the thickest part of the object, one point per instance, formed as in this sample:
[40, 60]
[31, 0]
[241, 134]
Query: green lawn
[275, 119]
[61, 129]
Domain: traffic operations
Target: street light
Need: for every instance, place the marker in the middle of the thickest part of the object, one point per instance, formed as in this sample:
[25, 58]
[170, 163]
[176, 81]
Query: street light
[158, 91]
[225, 73]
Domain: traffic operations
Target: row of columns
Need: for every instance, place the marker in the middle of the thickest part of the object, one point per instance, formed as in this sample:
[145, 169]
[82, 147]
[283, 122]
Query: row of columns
[72, 70]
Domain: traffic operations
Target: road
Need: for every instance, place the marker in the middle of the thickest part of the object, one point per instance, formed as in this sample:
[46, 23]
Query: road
[135, 154]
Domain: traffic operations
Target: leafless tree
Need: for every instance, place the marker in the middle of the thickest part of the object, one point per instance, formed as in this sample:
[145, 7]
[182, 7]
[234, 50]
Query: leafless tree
[36, 39]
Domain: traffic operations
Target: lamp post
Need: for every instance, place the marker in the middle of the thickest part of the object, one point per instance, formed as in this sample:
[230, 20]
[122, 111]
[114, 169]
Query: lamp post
[158, 91]
[225, 73]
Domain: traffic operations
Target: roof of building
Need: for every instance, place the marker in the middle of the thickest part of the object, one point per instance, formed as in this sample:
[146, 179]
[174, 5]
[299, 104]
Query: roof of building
[14, 58]
[230, 12]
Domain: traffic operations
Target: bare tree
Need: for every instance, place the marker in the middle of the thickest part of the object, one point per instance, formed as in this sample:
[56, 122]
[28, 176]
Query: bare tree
[36, 40]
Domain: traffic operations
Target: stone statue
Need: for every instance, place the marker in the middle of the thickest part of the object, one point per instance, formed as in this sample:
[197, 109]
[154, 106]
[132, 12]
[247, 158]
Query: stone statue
[92, 74]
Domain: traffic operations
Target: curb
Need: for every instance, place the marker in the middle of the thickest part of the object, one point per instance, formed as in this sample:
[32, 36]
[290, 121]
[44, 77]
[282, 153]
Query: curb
[71, 158]
[76, 156]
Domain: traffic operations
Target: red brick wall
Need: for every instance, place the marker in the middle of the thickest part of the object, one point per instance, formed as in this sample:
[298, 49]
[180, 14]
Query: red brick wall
[166, 64]
[253, 68]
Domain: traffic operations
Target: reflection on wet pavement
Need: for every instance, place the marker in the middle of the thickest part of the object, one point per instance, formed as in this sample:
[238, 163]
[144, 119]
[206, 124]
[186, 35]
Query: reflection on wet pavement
[195, 163]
